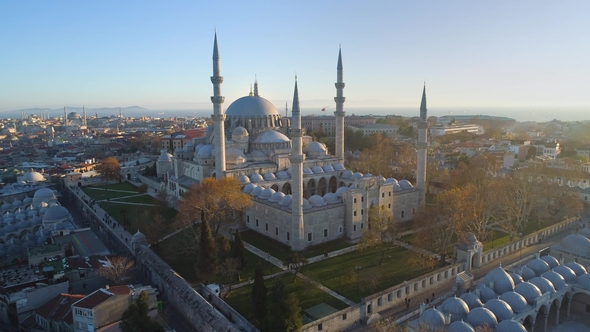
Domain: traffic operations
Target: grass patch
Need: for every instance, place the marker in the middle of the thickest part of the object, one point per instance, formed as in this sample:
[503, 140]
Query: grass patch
[143, 199]
[133, 215]
[118, 186]
[339, 273]
[308, 295]
[102, 194]
[283, 252]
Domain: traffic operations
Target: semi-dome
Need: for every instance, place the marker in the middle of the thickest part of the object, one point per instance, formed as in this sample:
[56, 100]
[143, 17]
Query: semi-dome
[328, 168]
[251, 106]
[206, 151]
[460, 326]
[234, 156]
[538, 266]
[32, 176]
[481, 317]
[485, 293]
[516, 301]
[550, 260]
[456, 307]
[244, 179]
[555, 278]
[499, 280]
[577, 244]
[338, 167]
[249, 187]
[239, 131]
[317, 170]
[527, 273]
[56, 214]
[341, 191]
[44, 195]
[256, 191]
[471, 300]
[331, 198]
[574, 266]
[529, 291]
[568, 274]
[346, 174]
[510, 326]
[268, 176]
[270, 136]
[286, 200]
[317, 200]
[266, 193]
[256, 177]
[584, 281]
[517, 279]
[276, 197]
[433, 318]
[282, 175]
[306, 205]
[405, 184]
[501, 309]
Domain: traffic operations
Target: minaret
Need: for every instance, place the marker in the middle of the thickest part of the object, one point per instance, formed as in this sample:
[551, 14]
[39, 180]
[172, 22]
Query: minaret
[218, 116]
[120, 113]
[339, 113]
[296, 158]
[421, 146]
[65, 119]
[84, 113]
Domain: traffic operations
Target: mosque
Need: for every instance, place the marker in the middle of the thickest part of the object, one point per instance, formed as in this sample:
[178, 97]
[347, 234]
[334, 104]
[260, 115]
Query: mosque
[302, 195]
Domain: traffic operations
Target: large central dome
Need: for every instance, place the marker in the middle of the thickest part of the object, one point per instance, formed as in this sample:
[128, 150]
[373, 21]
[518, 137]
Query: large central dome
[251, 106]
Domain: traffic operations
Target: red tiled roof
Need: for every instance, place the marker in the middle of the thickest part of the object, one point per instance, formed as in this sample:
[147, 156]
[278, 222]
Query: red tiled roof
[119, 290]
[94, 299]
[194, 133]
[59, 308]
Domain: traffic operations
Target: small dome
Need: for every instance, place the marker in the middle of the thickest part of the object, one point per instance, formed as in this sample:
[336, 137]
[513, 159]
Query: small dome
[244, 179]
[198, 147]
[239, 131]
[32, 177]
[210, 129]
[529, 291]
[357, 175]
[538, 266]
[574, 266]
[585, 232]
[164, 156]
[543, 284]
[577, 244]
[268, 176]
[328, 168]
[317, 170]
[256, 177]
[56, 214]
[24, 224]
[276, 197]
[555, 278]
[338, 167]
[270, 136]
[485, 293]
[460, 326]
[517, 279]
[353, 186]
[178, 150]
[234, 156]
[249, 187]
[307, 170]
[527, 273]
[510, 326]
[584, 281]
[516, 301]
[138, 237]
[480, 317]
[405, 184]
[331, 198]
[433, 318]
[550, 260]
[206, 151]
[501, 281]
[306, 205]
[397, 187]
[368, 175]
[17, 203]
[346, 174]
[316, 150]
[36, 221]
[281, 175]
[6, 206]
[390, 180]
[256, 191]
[471, 300]
[341, 191]
[456, 307]
[27, 200]
[317, 200]
[501, 309]
[568, 274]
[286, 200]
[266, 193]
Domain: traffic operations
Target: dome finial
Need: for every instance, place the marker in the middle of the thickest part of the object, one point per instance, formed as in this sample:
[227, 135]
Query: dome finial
[250, 94]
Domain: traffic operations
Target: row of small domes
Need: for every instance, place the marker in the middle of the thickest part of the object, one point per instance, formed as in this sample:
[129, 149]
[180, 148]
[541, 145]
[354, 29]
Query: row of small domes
[273, 196]
[41, 195]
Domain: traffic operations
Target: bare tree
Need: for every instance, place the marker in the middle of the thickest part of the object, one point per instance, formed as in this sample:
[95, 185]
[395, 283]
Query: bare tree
[381, 232]
[117, 269]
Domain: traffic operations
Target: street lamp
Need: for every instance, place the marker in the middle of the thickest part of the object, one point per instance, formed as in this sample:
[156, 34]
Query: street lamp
[357, 269]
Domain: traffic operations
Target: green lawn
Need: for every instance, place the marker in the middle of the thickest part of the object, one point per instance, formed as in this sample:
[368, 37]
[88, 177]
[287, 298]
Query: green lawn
[283, 252]
[339, 273]
[135, 215]
[118, 186]
[307, 294]
[143, 199]
[102, 194]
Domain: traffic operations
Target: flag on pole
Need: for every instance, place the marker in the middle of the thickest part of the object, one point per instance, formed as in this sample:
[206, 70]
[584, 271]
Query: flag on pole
[323, 109]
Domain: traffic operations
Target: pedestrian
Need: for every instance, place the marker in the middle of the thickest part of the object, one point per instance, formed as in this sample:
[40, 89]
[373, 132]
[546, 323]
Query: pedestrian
[125, 240]
[408, 305]
[432, 296]
[121, 236]
[426, 301]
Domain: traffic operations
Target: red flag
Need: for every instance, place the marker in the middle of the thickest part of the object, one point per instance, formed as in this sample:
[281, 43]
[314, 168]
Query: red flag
[323, 109]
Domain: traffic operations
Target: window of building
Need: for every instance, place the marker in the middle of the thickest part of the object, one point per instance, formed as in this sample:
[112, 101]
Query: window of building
[320, 327]
[362, 212]
[362, 225]
[256, 222]
[413, 212]
[248, 219]
[355, 200]
[382, 195]
[390, 193]
[325, 232]
[354, 213]
[363, 199]
[309, 237]
[340, 230]
[276, 231]
[389, 205]
[266, 227]
[403, 213]
[288, 236]
[354, 228]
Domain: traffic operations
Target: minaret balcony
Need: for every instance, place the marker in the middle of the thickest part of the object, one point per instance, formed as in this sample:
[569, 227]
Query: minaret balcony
[216, 79]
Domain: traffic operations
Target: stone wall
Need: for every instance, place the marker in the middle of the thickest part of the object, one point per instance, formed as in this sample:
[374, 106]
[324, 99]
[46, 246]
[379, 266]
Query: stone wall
[536, 237]
[150, 182]
[386, 299]
[225, 308]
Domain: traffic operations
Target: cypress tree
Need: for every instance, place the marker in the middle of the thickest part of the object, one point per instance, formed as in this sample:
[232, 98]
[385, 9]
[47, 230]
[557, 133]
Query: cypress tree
[207, 259]
[259, 298]
[285, 312]
[238, 253]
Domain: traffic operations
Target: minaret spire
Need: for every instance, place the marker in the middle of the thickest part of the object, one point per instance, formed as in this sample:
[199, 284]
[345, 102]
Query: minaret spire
[84, 113]
[339, 113]
[65, 119]
[255, 86]
[421, 149]
[218, 116]
[296, 158]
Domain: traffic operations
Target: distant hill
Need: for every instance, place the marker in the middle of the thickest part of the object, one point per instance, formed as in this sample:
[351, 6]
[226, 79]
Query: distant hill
[90, 111]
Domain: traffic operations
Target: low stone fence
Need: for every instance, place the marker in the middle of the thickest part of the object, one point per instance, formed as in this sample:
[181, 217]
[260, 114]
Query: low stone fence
[150, 182]
[386, 299]
[536, 237]
[225, 308]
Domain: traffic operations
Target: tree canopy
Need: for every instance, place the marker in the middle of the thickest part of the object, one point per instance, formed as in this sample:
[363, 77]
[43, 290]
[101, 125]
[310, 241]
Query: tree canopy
[109, 169]
[136, 319]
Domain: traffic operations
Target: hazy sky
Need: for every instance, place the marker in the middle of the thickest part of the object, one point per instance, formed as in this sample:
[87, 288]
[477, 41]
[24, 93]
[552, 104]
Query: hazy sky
[157, 54]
